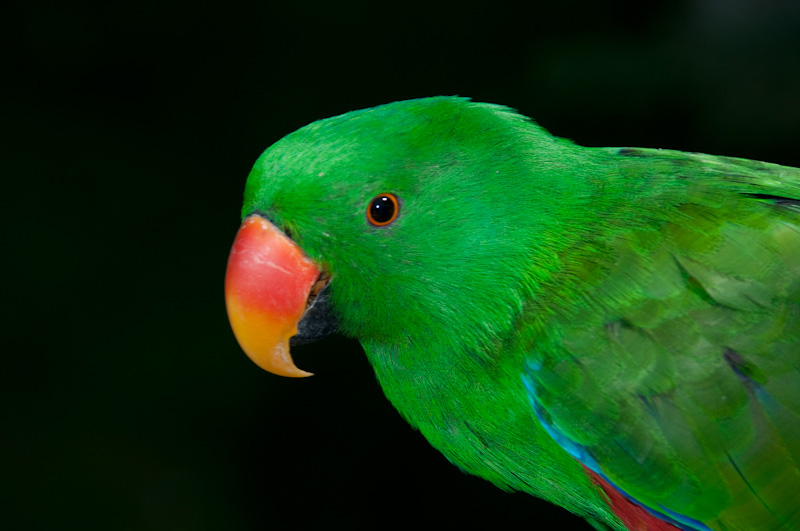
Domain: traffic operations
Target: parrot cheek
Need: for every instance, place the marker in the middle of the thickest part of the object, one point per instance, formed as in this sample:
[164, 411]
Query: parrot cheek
[269, 284]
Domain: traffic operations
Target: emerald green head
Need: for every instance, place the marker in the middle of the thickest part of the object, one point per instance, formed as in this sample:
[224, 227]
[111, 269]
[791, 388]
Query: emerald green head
[459, 219]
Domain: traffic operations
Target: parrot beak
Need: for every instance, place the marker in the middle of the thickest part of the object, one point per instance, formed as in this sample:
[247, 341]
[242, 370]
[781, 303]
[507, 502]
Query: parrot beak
[269, 284]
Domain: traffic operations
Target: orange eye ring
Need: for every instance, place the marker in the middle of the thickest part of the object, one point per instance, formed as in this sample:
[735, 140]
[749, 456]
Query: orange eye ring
[383, 209]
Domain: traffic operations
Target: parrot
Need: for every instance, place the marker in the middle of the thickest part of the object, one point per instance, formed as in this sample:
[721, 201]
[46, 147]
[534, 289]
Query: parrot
[613, 330]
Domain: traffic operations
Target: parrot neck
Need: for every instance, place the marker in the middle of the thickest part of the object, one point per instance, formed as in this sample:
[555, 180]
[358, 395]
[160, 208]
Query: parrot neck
[478, 415]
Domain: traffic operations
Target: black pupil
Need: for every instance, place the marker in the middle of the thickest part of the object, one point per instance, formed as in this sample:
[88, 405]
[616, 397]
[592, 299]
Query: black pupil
[382, 209]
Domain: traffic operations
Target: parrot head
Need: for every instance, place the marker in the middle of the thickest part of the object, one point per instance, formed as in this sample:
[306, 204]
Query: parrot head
[397, 225]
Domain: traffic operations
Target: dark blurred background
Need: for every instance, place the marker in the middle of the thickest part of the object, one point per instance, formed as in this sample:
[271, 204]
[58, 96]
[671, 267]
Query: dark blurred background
[129, 130]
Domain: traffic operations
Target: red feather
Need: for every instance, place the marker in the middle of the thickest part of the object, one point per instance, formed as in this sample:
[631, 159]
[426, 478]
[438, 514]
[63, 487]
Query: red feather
[633, 516]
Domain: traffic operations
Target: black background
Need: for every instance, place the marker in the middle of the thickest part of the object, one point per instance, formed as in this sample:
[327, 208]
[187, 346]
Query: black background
[130, 128]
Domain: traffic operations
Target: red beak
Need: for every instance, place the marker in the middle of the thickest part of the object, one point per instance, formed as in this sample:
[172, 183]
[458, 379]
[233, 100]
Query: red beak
[267, 285]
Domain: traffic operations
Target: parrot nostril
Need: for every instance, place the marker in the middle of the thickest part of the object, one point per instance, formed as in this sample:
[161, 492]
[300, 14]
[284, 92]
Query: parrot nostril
[285, 230]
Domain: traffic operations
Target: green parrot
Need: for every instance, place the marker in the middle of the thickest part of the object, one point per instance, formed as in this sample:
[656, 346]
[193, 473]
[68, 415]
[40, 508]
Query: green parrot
[615, 330]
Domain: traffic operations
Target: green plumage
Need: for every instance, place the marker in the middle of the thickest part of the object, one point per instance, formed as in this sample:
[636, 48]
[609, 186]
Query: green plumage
[536, 300]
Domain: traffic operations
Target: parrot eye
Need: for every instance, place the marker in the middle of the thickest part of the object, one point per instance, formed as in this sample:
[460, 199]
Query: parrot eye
[382, 210]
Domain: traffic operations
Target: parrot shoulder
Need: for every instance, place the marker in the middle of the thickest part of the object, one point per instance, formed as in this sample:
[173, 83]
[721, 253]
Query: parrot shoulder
[670, 366]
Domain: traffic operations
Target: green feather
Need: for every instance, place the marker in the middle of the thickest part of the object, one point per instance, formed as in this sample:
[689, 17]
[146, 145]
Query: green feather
[656, 292]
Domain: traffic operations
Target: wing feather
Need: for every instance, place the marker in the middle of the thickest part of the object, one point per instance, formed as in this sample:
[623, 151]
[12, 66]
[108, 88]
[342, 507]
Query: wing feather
[676, 375]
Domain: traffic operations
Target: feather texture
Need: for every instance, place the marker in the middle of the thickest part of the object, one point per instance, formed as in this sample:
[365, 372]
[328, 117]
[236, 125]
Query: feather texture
[539, 308]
